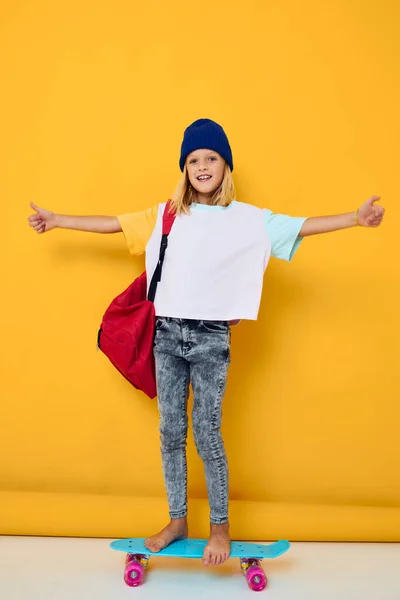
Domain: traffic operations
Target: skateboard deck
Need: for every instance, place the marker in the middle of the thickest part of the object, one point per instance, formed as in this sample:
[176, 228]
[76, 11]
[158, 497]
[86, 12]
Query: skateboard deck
[250, 555]
[191, 548]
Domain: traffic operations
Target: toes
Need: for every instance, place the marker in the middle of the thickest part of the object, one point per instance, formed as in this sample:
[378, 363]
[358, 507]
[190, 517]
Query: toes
[220, 558]
[152, 546]
[214, 558]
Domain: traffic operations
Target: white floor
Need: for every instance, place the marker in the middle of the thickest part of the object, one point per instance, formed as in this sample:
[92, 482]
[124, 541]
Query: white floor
[84, 569]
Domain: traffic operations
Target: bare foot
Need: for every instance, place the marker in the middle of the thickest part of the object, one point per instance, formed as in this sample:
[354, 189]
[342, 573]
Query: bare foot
[218, 548]
[177, 529]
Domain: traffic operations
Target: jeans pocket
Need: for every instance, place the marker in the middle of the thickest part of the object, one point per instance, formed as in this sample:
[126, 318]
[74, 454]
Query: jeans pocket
[215, 326]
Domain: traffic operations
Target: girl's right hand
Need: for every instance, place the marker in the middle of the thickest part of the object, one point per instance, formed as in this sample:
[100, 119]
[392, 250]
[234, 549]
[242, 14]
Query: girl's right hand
[43, 220]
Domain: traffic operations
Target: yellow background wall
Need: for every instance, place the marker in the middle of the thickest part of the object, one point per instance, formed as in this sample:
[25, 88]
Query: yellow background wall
[95, 97]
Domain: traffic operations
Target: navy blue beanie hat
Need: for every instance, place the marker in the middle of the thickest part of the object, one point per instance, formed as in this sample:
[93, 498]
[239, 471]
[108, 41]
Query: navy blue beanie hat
[205, 133]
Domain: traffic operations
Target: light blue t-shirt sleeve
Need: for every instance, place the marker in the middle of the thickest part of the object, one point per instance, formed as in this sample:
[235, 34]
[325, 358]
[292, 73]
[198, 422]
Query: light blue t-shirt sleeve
[283, 232]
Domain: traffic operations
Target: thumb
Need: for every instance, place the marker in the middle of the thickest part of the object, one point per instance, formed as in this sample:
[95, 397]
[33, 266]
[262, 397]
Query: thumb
[32, 205]
[371, 201]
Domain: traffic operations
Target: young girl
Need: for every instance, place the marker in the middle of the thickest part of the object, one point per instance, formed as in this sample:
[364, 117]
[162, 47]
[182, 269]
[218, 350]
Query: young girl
[212, 277]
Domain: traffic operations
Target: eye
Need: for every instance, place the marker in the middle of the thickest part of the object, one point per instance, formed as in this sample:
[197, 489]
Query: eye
[192, 161]
[213, 158]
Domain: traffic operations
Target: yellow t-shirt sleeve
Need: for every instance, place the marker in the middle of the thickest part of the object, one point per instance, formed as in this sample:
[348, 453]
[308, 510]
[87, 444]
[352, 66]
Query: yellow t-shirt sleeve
[137, 228]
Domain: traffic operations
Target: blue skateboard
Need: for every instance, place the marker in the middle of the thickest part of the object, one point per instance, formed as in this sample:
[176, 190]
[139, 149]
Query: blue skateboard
[250, 556]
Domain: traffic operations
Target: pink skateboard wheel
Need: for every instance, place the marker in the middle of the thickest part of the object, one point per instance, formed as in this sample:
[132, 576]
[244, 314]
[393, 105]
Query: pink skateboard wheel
[256, 579]
[133, 574]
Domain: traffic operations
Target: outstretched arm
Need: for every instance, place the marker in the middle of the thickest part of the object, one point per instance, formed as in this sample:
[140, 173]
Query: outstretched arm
[44, 220]
[367, 215]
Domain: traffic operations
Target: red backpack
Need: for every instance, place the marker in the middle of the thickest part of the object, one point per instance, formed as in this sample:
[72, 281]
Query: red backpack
[126, 335]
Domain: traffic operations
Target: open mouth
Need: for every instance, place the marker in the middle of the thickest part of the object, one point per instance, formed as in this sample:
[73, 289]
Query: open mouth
[202, 178]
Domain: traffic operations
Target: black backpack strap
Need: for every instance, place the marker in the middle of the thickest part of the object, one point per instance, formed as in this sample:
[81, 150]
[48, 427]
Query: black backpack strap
[168, 220]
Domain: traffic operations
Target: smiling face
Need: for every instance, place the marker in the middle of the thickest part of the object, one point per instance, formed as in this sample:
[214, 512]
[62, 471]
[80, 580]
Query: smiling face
[205, 171]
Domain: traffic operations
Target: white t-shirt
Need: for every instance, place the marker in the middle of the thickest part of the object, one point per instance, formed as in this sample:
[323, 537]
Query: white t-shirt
[216, 257]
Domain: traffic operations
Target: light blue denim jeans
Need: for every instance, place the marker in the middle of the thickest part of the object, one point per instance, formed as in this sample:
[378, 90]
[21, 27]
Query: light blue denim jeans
[196, 352]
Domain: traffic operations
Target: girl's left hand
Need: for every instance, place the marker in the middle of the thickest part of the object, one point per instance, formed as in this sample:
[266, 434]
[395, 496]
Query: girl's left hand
[370, 215]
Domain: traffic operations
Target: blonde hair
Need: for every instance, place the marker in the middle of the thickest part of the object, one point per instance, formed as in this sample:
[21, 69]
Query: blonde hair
[185, 195]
